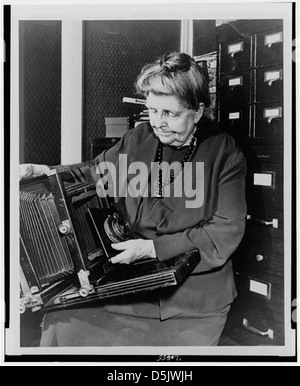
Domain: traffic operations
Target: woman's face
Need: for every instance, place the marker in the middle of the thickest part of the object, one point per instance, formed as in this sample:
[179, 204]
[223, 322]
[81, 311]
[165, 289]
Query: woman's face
[172, 123]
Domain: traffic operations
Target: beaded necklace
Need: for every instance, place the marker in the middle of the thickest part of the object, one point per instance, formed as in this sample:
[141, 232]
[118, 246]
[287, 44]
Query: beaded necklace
[158, 192]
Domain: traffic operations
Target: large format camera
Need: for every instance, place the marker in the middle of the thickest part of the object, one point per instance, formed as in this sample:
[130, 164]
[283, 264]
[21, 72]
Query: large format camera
[66, 232]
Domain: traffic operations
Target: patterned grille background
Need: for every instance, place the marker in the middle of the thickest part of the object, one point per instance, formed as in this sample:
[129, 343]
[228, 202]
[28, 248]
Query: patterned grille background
[40, 91]
[205, 50]
[114, 53]
[210, 61]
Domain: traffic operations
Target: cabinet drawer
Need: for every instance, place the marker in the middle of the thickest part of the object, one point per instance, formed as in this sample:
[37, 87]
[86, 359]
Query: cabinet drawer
[236, 54]
[265, 238]
[268, 211]
[265, 182]
[262, 153]
[266, 176]
[269, 121]
[236, 121]
[261, 292]
[235, 90]
[251, 323]
[272, 329]
[260, 250]
[258, 262]
[269, 48]
[263, 288]
[269, 84]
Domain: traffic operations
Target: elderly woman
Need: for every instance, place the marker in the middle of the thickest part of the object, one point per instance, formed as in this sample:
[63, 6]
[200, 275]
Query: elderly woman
[164, 225]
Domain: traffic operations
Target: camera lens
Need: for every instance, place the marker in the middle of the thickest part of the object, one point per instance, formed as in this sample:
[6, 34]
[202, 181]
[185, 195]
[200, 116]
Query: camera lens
[116, 228]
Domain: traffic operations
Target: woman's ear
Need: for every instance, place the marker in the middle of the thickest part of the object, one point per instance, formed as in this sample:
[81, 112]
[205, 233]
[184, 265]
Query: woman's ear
[199, 112]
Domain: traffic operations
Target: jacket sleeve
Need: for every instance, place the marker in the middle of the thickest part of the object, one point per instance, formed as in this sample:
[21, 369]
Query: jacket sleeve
[111, 155]
[218, 238]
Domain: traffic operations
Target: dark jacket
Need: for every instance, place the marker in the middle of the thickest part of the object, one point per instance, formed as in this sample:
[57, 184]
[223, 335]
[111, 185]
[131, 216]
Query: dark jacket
[215, 228]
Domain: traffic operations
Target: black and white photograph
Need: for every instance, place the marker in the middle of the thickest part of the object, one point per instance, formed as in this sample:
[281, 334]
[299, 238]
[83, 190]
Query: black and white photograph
[150, 178]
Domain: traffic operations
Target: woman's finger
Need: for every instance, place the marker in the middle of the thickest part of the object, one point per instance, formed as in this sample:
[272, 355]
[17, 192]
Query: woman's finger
[122, 245]
[122, 258]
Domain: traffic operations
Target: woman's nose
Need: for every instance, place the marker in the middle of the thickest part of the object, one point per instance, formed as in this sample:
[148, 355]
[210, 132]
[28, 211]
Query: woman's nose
[159, 120]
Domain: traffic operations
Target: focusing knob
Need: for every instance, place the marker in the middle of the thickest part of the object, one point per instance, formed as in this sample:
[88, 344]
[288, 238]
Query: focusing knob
[83, 292]
[65, 227]
[22, 308]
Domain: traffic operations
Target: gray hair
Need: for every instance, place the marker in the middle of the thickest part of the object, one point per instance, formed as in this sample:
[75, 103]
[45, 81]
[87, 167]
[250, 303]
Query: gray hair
[175, 74]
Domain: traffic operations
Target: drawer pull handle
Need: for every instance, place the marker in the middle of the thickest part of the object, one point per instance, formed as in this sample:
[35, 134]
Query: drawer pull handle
[274, 222]
[269, 333]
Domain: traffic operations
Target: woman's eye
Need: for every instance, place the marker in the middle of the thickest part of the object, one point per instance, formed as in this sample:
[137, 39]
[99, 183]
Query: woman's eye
[165, 113]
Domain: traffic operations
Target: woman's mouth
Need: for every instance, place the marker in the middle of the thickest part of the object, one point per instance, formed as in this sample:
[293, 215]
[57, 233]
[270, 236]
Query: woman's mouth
[163, 132]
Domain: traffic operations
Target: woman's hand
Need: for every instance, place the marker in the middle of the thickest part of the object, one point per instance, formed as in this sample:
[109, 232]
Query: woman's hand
[32, 170]
[133, 250]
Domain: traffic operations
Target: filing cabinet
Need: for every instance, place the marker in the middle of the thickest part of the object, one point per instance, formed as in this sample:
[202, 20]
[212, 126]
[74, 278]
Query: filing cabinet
[265, 190]
[264, 256]
[266, 152]
[269, 44]
[236, 53]
[250, 105]
[235, 89]
[270, 84]
[268, 121]
[235, 93]
[236, 120]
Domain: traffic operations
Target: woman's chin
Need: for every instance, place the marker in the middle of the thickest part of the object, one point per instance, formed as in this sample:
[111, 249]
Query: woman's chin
[170, 141]
[167, 141]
